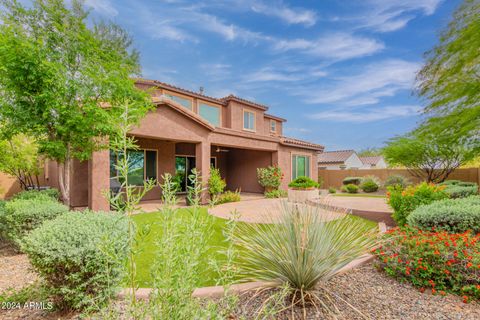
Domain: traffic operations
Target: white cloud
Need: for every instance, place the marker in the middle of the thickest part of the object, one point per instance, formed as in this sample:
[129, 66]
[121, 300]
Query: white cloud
[336, 46]
[392, 15]
[287, 14]
[216, 70]
[370, 115]
[102, 6]
[269, 74]
[377, 80]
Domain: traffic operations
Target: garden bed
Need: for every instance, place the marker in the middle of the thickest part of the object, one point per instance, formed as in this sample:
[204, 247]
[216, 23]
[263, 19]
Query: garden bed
[378, 297]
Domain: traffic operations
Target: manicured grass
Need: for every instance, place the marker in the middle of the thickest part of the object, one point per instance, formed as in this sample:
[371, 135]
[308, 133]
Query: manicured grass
[362, 195]
[145, 258]
[146, 255]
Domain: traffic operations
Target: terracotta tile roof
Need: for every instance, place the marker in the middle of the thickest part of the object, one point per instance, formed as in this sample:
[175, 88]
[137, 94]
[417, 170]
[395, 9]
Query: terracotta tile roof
[178, 89]
[270, 116]
[371, 160]
[301, 143]
[335, 156]
[177, 106]
[248, 102]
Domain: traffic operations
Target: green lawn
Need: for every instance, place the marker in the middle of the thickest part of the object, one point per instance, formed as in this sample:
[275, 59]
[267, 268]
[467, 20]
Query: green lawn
[364, 195]
[146, 256]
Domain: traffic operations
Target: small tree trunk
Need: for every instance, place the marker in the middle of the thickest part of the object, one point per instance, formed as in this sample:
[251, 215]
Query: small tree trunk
[64, 178]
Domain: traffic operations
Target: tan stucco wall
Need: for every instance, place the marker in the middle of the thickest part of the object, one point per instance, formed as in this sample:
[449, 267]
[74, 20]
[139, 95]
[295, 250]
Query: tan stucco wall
[242, 169]
[285, 162]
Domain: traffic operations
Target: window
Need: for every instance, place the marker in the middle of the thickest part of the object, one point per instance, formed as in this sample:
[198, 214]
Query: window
[187, 103]
[209, 113]
[248, 120]
[142, 164]
[300, 166]
[273, 126]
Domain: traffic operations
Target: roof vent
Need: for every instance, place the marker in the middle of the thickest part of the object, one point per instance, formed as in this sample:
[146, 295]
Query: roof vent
[201, 90]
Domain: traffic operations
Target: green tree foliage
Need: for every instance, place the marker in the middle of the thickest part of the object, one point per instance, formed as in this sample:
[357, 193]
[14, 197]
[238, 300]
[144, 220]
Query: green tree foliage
[58, 78]
[450, 78]
[369, 152]
[19, 158]
[429, 155]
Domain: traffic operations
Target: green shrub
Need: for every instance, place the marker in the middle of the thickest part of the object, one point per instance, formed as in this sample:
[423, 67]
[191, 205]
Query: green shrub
[332, 190]
[350, 188]
[439, 262]
[303, 183]
[403, 202]
[270, 177]
[216, 184]
[396, 180]
[352, 180]
[81, 257]
[24, 215]
[228, 196]
[301, 249]
[461, 191]
[33, 194]
[450, 182]
[452, 215]
[276, 194]
[370, 184]
[3, 229]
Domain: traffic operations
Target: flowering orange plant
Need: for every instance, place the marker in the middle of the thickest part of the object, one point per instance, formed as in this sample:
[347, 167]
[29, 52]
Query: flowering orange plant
[404, 201]
[438, 261]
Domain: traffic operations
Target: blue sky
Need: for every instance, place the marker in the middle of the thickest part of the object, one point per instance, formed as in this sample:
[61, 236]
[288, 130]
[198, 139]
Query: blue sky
[341, 72]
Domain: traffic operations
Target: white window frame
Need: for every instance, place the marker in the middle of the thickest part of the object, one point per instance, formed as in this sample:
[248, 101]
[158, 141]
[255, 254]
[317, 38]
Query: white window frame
[309, 173]
[254, 120]
[273, 124]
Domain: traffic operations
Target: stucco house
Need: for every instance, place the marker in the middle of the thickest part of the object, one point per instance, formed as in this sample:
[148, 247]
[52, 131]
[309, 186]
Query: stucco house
[191, 130]
[339, 160]
[373, 162]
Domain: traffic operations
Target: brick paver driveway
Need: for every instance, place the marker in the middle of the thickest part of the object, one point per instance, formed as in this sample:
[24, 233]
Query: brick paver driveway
[261, 210]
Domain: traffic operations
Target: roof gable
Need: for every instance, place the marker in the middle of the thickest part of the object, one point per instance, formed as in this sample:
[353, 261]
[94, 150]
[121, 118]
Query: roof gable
[339, 156]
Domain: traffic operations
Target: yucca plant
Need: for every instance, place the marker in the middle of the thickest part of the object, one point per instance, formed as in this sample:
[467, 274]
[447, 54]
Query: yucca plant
[303, 249]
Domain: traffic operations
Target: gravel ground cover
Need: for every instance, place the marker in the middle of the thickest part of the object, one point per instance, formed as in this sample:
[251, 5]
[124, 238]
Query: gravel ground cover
[377, 296]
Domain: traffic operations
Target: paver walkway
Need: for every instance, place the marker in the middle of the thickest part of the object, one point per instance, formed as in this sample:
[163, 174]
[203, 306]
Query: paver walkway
[261, 210]
[358, 203]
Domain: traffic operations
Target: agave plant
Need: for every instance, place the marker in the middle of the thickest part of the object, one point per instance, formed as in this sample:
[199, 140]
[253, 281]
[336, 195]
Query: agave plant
[303, 248]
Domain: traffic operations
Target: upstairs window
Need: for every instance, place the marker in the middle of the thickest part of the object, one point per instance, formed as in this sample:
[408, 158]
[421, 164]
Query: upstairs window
[300, 166]
[248, 120]
[187, 103]
[209, 113]
[273, 126]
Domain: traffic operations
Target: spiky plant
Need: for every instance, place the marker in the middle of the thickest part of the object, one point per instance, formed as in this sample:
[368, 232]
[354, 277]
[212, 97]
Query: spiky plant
[303, 248]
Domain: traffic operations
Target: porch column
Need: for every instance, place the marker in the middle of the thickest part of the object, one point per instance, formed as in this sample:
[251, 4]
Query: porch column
[202, 163]
[275, 158]
[99, 180]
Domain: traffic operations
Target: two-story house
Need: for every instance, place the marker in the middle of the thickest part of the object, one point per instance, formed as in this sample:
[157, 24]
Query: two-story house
[191, 130]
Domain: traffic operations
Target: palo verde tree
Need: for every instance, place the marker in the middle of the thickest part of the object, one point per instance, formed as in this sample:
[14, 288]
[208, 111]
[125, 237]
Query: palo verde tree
[58, 77]
[450, 78]
[429, 155]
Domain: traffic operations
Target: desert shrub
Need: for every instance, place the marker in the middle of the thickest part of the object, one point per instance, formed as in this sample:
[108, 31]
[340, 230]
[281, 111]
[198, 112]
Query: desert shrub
[352, 180]
[370, 184]
[216, 184]
[350, 188]
[320, 181]
[332, 190]
[270, 177]
[276, 194]
[461, 191]
[437, 261]
[24, 215]
[229, 196]
[303, 183]
[396, 180]
[301, 248]
[452, 215]
[33, 194]
[404, 201]
[81, 256]
[3, 229]
[450, 182]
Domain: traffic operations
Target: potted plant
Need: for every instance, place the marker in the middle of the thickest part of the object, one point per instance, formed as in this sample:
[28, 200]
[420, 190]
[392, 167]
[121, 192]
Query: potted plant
[270, 178]
[302, 189]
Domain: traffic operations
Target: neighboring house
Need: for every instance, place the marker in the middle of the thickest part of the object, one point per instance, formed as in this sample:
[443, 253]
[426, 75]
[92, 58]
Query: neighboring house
[191, 130]
[339, 160]
[374, 162]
